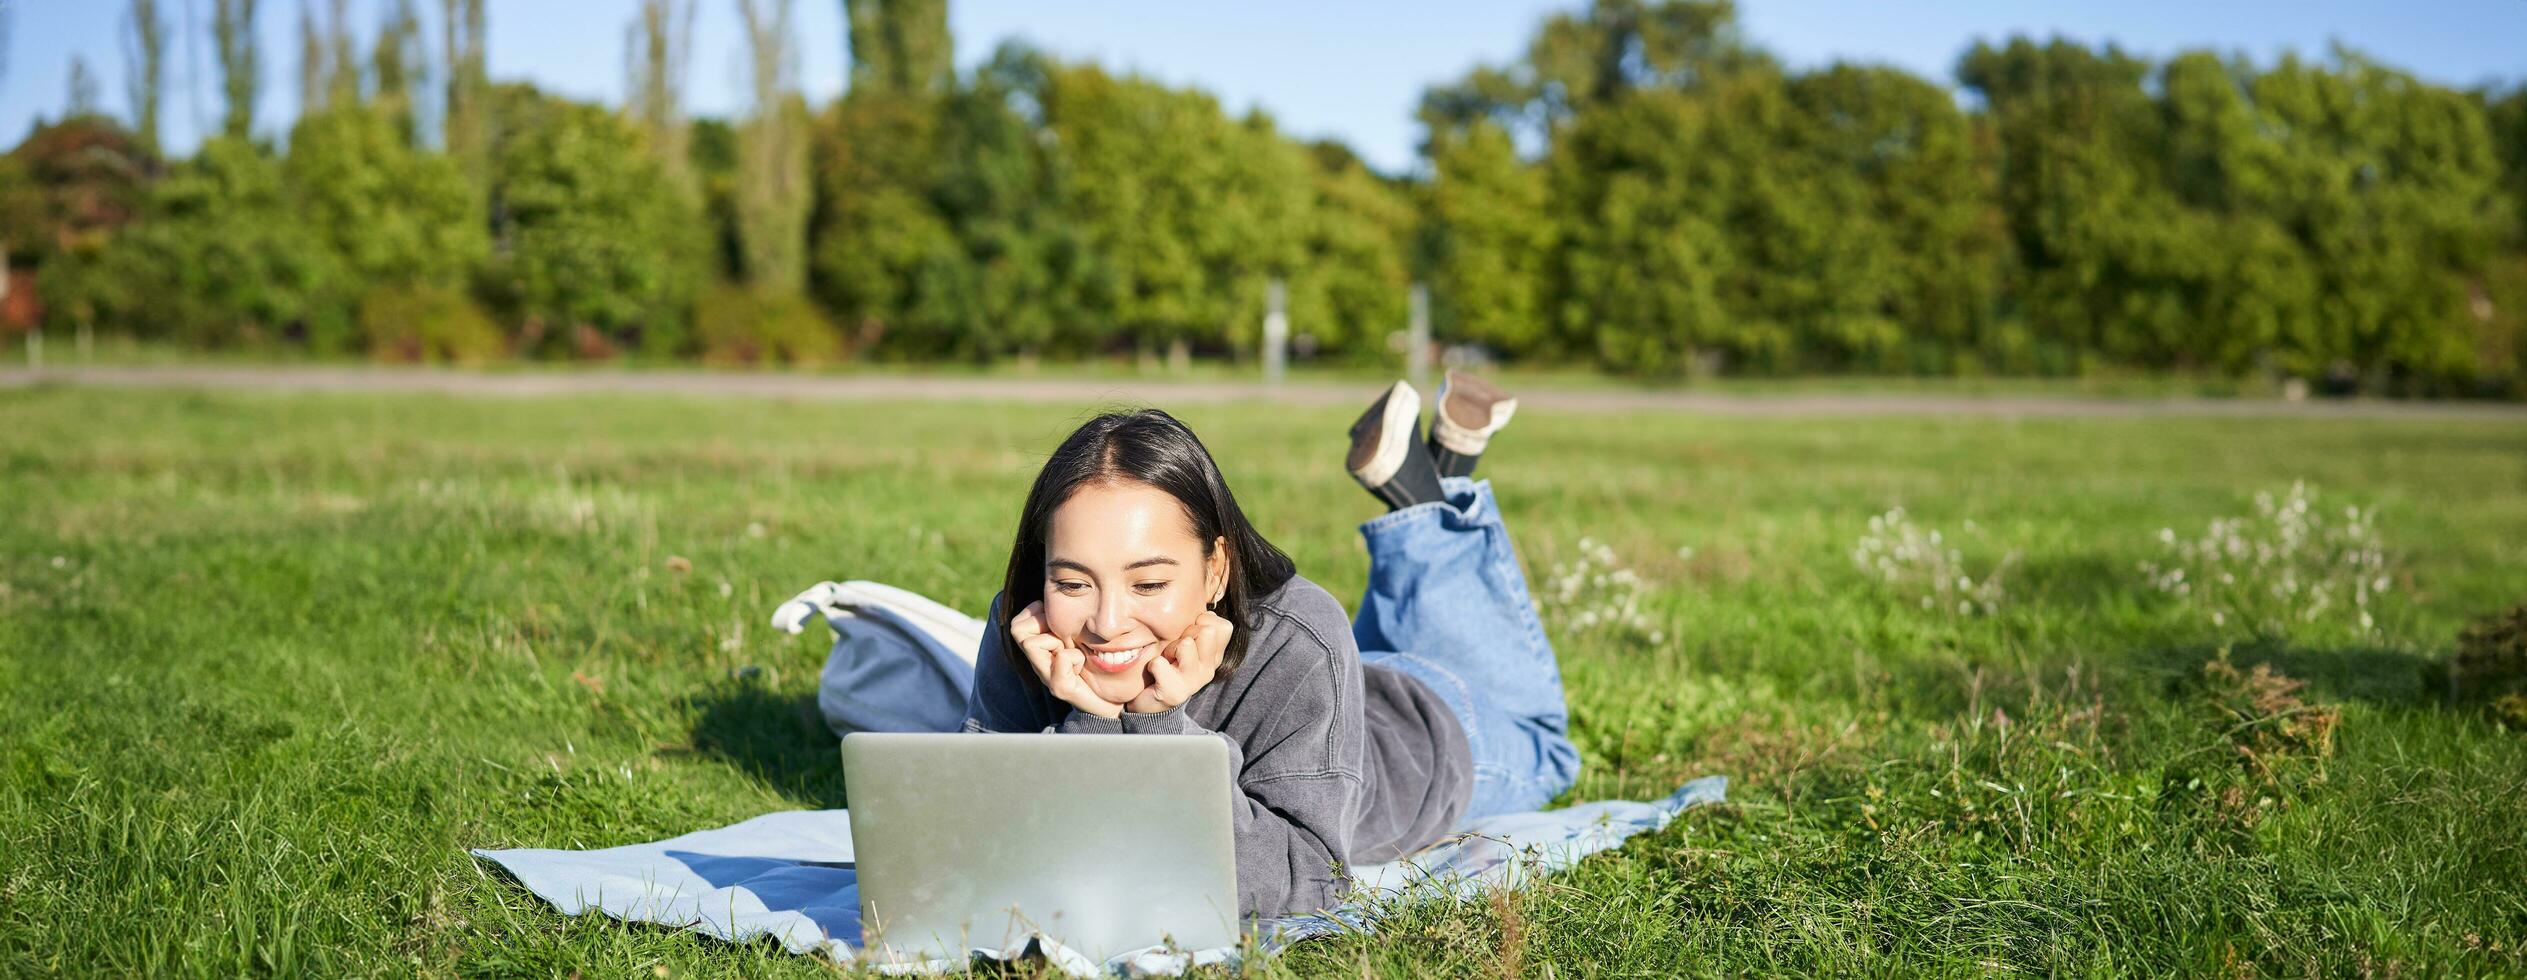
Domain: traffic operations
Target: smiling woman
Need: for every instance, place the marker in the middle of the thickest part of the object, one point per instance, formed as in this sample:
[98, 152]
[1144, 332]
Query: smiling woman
[1152, 606]
[1119, 610]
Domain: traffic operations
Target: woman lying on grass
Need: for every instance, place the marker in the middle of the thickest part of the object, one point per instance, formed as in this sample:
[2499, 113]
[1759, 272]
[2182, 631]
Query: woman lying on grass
[1154, 607]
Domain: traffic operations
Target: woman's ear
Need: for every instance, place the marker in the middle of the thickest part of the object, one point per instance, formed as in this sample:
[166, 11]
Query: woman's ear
[1215, 572]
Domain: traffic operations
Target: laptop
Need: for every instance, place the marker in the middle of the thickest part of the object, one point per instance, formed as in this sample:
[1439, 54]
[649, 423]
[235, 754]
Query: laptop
[1104, 843]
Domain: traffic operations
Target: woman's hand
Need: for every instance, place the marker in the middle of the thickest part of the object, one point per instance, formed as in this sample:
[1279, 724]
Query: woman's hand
[1064, 670]
[1184, 666]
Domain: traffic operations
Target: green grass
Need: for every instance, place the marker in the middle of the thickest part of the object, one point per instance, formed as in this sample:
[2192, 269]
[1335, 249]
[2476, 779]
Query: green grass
[269, 665]
[2106, 383]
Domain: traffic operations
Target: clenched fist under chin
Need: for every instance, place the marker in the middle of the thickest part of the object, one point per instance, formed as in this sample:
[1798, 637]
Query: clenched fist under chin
[1063, 669]
[1184, 666]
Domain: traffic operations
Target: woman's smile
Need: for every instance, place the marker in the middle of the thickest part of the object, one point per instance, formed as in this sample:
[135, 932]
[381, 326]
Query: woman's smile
[1118, 661]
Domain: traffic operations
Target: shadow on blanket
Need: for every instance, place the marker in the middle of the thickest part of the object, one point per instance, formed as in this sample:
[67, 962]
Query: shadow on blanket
[775, 737]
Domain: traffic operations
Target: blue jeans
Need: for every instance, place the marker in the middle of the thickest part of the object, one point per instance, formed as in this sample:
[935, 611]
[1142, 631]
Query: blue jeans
[1447, 603]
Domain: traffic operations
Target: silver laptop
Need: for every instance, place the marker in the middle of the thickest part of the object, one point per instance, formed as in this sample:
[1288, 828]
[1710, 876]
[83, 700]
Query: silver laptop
[1106, 843]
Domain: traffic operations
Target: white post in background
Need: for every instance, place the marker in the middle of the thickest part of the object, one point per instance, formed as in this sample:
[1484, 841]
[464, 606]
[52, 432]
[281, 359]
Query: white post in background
[1417, 338]
[1276, 332]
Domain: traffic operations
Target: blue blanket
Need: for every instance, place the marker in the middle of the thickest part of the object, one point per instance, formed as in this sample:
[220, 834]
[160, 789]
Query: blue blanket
[788, 877]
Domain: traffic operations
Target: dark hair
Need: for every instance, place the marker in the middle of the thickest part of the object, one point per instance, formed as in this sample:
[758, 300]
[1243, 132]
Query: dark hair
[1148, 447]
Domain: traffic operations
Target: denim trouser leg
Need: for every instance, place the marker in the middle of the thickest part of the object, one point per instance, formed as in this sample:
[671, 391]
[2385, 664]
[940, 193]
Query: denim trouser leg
[1447, 603]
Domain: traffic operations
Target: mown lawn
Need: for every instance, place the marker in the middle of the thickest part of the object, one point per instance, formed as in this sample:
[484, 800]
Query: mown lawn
[270, 664]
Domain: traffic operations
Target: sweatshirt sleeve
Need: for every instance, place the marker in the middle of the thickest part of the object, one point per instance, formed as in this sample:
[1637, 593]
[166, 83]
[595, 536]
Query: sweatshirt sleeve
[1003, 700]
[1293, 806]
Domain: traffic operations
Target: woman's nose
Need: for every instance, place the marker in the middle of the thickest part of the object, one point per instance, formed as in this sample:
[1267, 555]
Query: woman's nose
[1114, 616]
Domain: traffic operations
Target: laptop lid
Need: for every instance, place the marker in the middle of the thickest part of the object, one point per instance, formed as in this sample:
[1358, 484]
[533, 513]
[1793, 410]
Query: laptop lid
[1106, 843]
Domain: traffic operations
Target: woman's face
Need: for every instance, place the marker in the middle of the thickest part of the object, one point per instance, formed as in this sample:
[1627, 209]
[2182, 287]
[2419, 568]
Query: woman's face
[1124, 576]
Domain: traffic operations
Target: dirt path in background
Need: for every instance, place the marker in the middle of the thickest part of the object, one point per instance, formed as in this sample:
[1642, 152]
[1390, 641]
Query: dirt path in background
[1096, 391]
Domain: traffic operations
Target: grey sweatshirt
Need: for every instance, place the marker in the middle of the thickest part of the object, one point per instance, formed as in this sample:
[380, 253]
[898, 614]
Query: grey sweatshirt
[1336, 764]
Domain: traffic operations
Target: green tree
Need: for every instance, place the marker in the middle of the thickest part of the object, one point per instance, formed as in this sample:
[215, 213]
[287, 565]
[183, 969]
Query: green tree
[1699, 218]
[87, 177]
[464, 120]
[1263, 224]
[2078, 142]
[1490, 240]
[400, 67]
[1894, 166]
[884, 254]
[2504, 349]
[983, 262]
[773, 195]
[145, 64]
[240, 64]
[389, 213]
[311, 60]
[219, 258]
[1189, 213]
[2233, 279]
[342, 60]
[887, 256]
[1643, 255]
[1618, 46]
[328, 63]
[1031, 270]
[79, 182]
[595, 244]
[1797, 280]
[900, 46]
[2506, 117]
[1351, 286]
[713, 157]
[2391, 185]
[660, 43]
[21, 213]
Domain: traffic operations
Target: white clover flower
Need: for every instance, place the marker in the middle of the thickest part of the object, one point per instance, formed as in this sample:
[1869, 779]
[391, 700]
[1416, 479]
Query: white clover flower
[1924, 564]
[1594, 591]
[2299, 563]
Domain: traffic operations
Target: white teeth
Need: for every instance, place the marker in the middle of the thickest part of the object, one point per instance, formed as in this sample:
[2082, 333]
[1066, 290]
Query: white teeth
[1118, 658]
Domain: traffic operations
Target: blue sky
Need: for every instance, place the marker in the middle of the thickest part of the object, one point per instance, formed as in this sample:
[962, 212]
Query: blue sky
[1352, 70]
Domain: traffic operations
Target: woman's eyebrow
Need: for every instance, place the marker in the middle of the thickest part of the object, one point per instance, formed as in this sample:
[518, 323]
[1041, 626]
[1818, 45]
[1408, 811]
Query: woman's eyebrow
[1053, 563]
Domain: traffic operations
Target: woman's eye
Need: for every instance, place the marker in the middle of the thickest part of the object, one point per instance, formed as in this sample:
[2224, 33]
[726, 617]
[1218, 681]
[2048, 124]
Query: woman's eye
[1070, 588]
[1149, 588]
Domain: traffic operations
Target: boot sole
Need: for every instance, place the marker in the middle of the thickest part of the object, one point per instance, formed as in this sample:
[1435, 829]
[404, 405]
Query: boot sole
[1470, 410]
[1383, 435]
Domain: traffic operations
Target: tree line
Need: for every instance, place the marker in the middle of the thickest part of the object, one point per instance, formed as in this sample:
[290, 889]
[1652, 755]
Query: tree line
[1644, 189]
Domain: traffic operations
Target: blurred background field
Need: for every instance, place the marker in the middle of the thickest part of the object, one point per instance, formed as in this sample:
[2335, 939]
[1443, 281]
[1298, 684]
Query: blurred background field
[1643, 188]
[271, 663]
